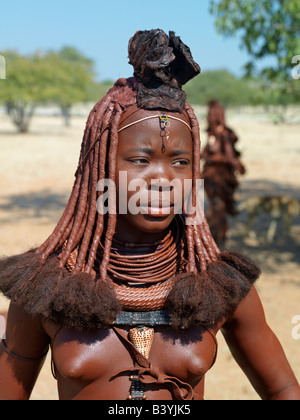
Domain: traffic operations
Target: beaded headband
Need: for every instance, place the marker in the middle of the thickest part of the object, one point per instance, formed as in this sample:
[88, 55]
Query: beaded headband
[164, 120]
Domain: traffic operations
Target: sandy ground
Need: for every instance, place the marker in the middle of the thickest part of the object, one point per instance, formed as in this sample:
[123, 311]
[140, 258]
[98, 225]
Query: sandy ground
[36, 176]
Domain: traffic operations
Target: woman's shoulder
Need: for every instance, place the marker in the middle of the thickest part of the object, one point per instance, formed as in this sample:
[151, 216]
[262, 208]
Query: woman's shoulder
[249, 313]
[25, 335]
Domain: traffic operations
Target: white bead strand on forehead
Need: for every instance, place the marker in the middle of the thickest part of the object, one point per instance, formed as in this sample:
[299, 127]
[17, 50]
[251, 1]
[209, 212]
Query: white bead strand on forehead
[161, 117]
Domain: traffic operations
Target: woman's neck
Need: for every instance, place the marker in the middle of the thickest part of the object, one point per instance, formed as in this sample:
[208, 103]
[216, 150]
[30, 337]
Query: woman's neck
[137, 237]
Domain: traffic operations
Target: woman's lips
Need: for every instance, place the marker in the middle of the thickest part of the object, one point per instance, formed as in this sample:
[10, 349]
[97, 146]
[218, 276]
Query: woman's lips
[156, 209]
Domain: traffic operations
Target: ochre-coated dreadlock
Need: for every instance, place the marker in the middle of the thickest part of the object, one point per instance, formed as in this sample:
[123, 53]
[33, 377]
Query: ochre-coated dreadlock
[213, 282]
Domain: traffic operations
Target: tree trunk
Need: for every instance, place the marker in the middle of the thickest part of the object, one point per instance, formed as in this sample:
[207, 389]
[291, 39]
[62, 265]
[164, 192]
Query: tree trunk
[66, 112]
[20, 113]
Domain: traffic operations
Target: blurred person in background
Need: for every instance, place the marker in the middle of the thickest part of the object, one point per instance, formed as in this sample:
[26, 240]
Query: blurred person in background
[222, 165]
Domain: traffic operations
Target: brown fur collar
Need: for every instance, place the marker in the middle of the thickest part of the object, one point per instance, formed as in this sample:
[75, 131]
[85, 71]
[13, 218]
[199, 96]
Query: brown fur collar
[81, 302]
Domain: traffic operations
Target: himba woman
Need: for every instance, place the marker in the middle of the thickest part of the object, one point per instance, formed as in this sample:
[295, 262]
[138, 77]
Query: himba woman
[130, 302]
[222, 164]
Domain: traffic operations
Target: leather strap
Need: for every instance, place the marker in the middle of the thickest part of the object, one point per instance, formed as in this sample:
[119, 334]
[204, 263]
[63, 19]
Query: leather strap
[149, 318]
[25, 359]
[149, 373]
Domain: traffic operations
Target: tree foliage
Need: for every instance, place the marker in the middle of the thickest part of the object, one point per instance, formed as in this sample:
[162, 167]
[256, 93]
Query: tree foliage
[220, 85]
[72, 78]
[22, 88]
[268, 28]
[65, 77]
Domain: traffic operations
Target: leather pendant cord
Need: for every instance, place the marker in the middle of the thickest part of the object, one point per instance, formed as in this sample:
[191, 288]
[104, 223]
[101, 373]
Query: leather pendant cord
[149, 373]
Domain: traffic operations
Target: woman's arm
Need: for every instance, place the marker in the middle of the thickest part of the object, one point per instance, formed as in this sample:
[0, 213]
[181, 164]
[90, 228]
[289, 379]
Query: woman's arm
[258, 351]
[24, 338]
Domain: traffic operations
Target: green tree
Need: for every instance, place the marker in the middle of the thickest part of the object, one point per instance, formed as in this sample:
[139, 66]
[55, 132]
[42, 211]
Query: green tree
[65, 77]
[220, 85]
[268, 28]
[71, 79]
[20, 91]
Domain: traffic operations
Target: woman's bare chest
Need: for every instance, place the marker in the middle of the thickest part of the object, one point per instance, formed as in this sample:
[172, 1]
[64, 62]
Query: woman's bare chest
[89, 356]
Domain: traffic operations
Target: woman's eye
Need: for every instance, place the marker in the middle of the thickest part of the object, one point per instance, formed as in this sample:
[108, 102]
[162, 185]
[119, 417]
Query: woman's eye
[139, 161]
[181, 162]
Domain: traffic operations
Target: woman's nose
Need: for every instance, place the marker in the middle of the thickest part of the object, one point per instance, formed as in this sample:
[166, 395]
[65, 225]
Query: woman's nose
[160, 184]
[160, 177]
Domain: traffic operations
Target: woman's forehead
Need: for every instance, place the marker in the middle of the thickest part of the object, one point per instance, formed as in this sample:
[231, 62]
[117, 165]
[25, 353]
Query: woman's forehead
[149, 133]
[148, 127]
[133, 113]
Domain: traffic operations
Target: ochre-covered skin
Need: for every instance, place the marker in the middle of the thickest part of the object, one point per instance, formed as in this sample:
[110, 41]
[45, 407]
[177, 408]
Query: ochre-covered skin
[86, 362]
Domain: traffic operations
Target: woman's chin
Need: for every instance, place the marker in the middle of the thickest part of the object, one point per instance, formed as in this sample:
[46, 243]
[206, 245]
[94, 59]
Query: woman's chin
[143, 227]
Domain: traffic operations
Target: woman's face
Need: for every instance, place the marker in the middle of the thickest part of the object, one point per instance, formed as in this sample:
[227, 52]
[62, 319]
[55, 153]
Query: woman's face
[150, 179]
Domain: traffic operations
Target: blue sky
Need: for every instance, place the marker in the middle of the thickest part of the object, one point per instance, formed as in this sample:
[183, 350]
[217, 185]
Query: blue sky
[101, 30]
